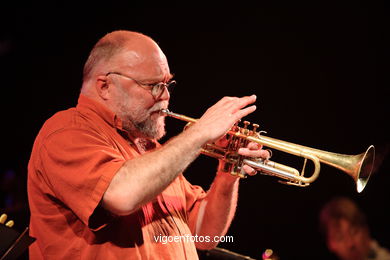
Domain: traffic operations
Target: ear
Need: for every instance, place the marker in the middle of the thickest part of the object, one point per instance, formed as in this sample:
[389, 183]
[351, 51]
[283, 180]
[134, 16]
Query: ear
[102, 87]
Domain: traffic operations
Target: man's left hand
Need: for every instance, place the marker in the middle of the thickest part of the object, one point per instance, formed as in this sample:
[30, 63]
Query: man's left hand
[254, 150]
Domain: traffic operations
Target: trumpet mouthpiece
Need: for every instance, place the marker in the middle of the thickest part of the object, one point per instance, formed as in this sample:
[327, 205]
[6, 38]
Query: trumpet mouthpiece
[164, 111]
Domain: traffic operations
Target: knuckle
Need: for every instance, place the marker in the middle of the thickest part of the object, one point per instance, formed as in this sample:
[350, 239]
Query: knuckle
[229, 98]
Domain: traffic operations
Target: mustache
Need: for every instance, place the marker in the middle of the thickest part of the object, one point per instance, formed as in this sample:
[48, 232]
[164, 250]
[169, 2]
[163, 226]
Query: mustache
[158, 107]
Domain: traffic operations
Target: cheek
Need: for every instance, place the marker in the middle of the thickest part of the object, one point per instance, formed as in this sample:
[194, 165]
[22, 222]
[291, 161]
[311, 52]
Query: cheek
[141, 99]
[137, 102]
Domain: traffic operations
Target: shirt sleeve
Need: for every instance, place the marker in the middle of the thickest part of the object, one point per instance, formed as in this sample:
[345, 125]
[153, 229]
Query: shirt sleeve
[194, 195]
[79, 166]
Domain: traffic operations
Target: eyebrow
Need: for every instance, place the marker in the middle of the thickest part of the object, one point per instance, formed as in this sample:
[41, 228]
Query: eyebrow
[168, 78]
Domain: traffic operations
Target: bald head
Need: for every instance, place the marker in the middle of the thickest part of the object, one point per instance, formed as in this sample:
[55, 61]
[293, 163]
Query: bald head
[139, 47]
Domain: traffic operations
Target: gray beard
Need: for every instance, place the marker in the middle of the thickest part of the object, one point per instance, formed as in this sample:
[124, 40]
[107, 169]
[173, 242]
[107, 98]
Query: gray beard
[145, 129]
[150, 129]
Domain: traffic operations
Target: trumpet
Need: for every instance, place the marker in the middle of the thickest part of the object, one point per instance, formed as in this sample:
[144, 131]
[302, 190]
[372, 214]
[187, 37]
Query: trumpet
[359, 166]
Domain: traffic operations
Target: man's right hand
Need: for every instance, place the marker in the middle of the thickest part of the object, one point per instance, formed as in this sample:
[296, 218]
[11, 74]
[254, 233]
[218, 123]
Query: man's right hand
[221, 117]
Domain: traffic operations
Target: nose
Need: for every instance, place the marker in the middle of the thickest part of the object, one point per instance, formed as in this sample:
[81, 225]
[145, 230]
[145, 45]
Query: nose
[165, 95]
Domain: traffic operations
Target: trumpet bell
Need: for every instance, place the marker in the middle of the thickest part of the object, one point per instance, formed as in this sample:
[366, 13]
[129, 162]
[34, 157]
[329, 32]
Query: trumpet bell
[365, 167]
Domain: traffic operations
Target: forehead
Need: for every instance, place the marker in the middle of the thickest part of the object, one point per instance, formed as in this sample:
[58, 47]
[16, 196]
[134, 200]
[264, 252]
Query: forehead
[144, 64]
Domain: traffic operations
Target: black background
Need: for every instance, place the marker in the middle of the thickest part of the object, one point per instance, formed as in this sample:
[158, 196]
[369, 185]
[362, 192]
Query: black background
[318, 71]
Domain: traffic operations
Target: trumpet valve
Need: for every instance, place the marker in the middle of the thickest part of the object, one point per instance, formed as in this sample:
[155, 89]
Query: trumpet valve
[255, 127]
[245, 130]
[235, 127]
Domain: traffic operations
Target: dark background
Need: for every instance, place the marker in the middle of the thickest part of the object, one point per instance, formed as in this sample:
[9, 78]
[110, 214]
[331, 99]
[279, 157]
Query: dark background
[318, 71]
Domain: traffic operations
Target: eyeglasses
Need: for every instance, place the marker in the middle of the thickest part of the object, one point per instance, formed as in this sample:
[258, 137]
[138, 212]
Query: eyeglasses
[156, 89]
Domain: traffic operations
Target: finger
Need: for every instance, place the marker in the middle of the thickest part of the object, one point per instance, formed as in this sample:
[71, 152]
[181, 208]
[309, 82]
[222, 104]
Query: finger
[227, 99]
[242, 102]
[247, 100]
[244, 112]
[228, 102]
[254, 146]
[249, 170]
[269, 153]
[264, 154]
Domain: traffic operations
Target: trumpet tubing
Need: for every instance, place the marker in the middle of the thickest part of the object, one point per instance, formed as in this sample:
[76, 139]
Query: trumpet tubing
[359, 166]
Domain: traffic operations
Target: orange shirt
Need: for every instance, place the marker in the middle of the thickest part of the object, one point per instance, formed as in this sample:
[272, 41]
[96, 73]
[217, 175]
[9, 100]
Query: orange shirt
[75, 155]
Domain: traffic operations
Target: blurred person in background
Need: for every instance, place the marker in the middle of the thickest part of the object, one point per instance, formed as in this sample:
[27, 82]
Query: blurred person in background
[347, 233]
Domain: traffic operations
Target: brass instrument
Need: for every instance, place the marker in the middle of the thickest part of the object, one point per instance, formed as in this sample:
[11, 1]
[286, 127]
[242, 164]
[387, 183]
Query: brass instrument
[359, 166]
[3, 218]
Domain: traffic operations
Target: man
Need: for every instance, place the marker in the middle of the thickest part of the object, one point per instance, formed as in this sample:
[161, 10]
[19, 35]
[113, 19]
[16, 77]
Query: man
[347, 233]
[101, 187]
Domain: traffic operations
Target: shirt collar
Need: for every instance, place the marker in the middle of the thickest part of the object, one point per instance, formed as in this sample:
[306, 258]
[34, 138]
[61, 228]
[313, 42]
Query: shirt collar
[89, 105]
